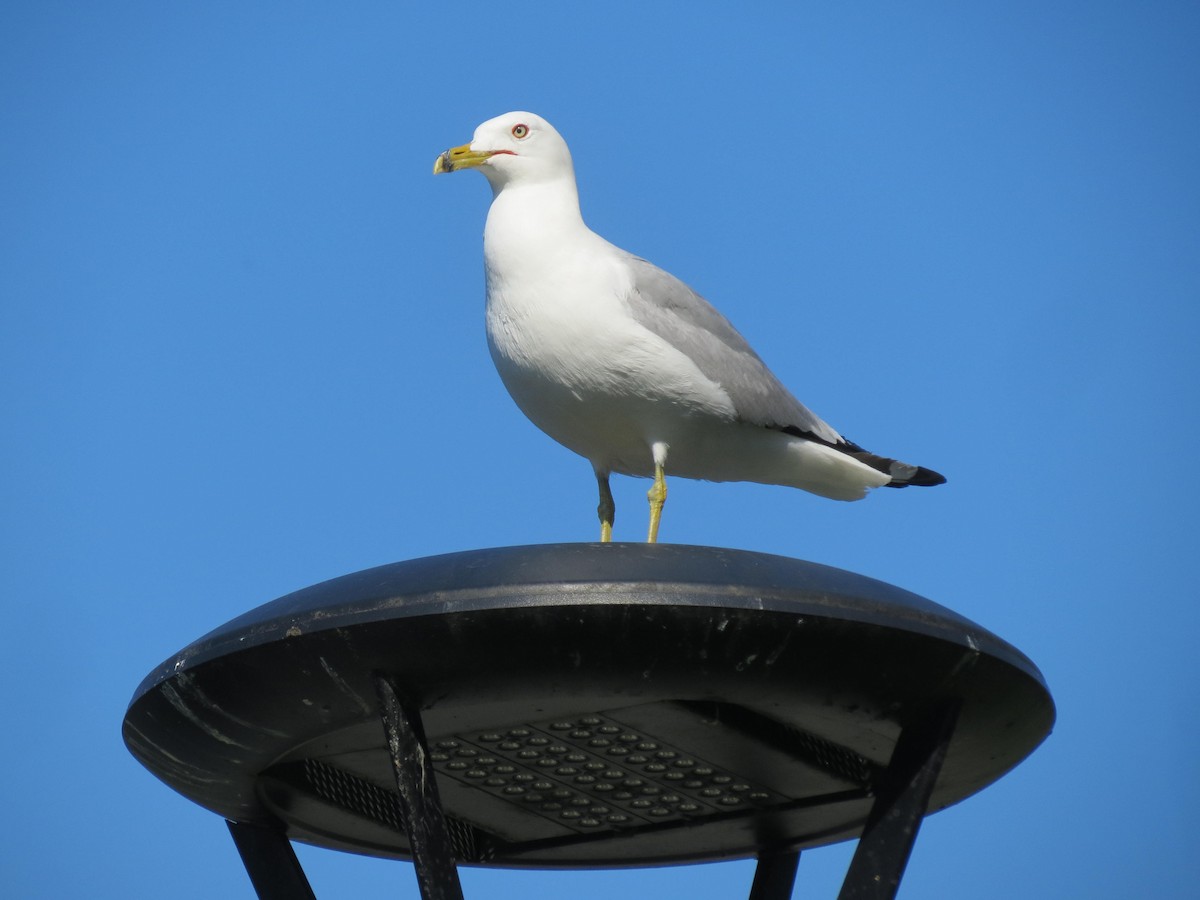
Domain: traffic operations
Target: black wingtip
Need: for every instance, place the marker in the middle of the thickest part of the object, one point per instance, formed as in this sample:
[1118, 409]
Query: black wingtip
[902, 474]
[920, 477]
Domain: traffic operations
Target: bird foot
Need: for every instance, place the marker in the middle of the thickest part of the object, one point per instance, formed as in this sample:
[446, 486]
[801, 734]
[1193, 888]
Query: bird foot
[657, 495]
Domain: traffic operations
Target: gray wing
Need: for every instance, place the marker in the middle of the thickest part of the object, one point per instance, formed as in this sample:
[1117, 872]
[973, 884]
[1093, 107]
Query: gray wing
[674, 312]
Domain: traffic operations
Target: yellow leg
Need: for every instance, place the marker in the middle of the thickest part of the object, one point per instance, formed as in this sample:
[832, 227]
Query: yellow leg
[607, 510]
[657, 495]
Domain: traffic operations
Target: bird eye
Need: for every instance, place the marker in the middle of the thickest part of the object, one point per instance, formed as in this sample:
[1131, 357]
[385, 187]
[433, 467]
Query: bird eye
[520, 131]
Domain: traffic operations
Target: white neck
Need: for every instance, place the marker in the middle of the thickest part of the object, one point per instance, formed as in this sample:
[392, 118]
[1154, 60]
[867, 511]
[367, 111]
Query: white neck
[527, 217]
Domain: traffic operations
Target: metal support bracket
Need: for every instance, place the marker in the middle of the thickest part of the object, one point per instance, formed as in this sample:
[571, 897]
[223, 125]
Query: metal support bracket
[270, 862]
[775, 876]
[901, 801]
[428, 836]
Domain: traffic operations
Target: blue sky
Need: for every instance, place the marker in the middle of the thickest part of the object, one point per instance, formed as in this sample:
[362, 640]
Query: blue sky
[241, 351]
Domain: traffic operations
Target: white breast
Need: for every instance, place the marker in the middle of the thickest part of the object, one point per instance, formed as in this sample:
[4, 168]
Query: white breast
[571, 355]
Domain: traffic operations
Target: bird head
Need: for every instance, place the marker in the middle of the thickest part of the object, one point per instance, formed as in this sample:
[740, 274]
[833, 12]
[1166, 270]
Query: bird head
[517, 146]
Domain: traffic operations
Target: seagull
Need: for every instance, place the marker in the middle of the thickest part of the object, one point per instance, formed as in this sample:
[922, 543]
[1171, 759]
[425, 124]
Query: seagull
[621, 361]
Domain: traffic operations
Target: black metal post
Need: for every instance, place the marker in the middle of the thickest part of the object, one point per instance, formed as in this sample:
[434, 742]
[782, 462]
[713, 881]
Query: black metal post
[270, 862]
[900, 804]
[775, 876]
[428, 837]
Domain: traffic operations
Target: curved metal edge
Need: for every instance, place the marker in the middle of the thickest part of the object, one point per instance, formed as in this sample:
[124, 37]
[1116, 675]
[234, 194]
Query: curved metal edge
[589, 573]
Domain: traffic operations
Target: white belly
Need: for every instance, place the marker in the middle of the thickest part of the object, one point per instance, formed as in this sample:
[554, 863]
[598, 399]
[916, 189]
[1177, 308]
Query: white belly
[599, 383]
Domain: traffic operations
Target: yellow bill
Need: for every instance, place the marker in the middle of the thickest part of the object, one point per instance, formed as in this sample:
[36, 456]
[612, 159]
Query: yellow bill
[463, 158]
